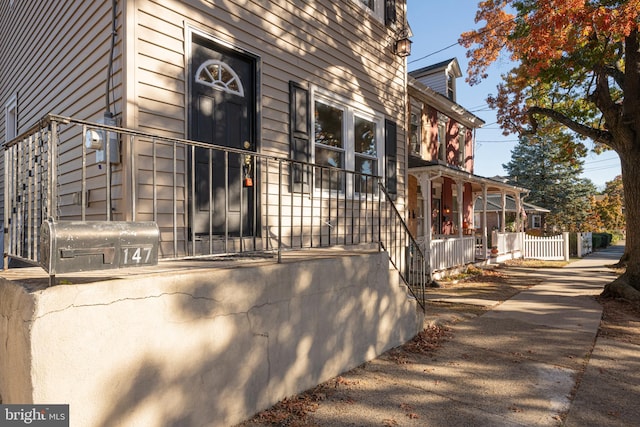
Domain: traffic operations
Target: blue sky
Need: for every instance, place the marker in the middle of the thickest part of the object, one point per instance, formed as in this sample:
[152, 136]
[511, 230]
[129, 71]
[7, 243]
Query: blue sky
[436, 26]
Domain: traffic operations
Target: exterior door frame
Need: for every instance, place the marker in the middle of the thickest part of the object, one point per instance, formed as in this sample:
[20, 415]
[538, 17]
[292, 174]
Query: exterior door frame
[255, 109]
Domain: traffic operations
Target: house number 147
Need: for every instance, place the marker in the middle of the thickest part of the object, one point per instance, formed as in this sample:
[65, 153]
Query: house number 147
[136, 255]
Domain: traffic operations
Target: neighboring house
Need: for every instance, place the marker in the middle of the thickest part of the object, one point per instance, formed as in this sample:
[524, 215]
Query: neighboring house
[441, 184]
[532, 220]
[236, 127]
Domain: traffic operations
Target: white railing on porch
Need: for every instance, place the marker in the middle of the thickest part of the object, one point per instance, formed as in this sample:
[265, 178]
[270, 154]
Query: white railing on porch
[452, 252]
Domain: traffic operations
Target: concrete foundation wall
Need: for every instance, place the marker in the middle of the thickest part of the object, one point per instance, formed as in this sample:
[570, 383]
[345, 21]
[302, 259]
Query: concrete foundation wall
[200, 346]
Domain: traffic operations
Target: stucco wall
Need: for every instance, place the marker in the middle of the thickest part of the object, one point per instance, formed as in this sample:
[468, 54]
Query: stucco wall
[202, 346]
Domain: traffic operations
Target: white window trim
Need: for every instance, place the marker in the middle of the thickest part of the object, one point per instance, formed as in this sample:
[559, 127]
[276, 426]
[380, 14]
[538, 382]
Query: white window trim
[418, 112]
[11, 119]
[462, 142]
[442, 136]
[378, 6]
[351, 110]
[534, 219]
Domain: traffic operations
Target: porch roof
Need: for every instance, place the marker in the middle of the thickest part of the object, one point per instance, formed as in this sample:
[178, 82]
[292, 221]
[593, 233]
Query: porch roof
[435, 169]
[494, 204]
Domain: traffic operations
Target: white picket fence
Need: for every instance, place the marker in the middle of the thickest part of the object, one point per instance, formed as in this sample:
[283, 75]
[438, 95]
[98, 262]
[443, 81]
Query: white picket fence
[449, 252]
[549, 248]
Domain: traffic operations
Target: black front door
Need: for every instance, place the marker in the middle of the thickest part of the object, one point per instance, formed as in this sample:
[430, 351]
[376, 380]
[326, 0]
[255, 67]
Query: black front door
[222, 113]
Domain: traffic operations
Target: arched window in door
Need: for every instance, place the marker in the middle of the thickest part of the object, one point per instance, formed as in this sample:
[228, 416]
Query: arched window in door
[218, 75]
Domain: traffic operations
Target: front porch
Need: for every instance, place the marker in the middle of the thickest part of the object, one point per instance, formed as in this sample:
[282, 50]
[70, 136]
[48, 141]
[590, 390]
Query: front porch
[64, 169]
[453, 234]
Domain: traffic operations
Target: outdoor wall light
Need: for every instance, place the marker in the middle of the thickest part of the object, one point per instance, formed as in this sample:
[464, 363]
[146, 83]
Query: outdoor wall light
[402, 47]
[402, 44]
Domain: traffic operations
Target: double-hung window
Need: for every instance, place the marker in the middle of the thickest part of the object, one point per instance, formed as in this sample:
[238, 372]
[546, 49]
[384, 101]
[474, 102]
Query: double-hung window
[329, 145]
[415, 128]
[536, 221]
[366, 153]
[442, 137]
[349, 144]
[462, 139]
[383, 10]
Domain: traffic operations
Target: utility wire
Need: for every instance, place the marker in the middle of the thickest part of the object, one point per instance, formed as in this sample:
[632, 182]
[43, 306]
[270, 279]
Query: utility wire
[457, 43]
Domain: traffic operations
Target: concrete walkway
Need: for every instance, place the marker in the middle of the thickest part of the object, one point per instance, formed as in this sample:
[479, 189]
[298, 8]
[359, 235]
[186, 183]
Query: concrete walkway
[527, 362]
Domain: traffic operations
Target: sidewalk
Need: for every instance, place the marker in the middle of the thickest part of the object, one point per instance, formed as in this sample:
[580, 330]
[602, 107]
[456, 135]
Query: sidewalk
[520, 364]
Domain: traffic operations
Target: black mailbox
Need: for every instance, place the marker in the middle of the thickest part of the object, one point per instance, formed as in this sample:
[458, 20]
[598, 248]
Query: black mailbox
[73, 246]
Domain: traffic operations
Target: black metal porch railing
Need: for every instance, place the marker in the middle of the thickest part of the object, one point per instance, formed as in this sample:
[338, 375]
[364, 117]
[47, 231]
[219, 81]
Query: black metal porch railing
[404, 252]
[206, 199]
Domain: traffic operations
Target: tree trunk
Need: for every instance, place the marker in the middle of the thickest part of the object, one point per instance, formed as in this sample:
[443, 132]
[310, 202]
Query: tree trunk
[628, 285]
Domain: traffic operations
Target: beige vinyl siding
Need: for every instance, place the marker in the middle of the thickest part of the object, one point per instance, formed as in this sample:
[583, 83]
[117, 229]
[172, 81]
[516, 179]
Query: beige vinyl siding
[313, 43]
[54, 55]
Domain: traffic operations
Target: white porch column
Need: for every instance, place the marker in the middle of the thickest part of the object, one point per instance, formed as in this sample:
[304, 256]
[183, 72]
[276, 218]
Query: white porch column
[518, 211]
[425, 187]
[460, 189]
[503, 216]
[485, 237]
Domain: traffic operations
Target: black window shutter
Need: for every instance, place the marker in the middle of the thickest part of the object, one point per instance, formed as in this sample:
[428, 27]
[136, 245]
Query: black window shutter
[300, 136]
[389, 12]
[391, 156]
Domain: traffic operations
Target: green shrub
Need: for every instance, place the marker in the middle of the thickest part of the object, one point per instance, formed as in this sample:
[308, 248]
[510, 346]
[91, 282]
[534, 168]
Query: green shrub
[601, 240]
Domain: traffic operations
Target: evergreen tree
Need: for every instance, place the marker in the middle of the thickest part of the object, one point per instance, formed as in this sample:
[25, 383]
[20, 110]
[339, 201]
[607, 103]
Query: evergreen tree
[540, 165]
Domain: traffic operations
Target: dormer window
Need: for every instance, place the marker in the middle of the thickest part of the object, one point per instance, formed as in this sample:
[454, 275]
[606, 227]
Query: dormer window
[451, 92]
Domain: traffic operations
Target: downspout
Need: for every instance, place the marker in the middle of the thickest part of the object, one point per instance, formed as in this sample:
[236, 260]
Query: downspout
[114, 34]
[108, 114]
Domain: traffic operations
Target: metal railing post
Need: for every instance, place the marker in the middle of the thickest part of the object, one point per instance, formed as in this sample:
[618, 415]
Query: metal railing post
[83, 178]
[52, 183]
[279, 211]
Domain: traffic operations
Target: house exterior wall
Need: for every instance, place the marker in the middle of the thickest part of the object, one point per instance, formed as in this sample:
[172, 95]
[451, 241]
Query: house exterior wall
[202, 347]
[469, 155]
[315, 45]
[53, 59]
[458, 157]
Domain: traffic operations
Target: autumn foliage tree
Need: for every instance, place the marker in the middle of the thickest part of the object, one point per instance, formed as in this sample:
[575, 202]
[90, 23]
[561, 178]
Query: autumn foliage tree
[607, 209]
[578, 65]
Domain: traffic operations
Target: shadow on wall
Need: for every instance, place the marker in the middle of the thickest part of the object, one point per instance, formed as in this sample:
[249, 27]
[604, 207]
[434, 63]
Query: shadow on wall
[221, 352]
